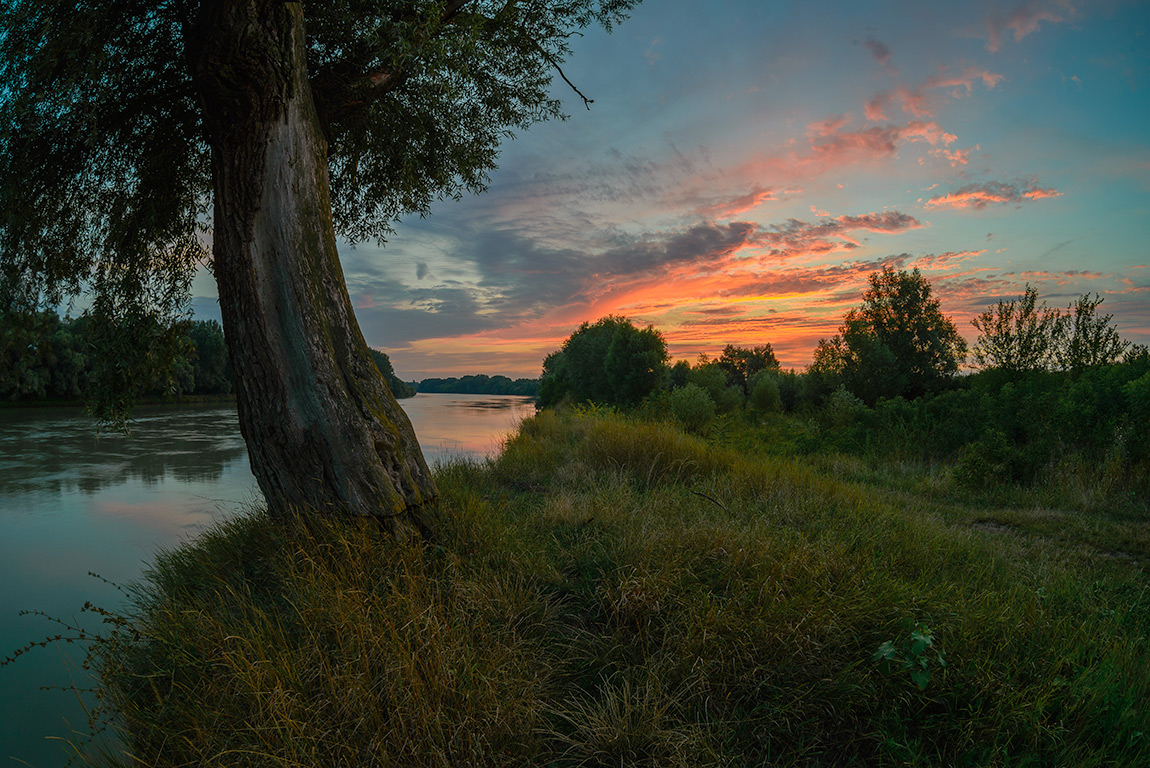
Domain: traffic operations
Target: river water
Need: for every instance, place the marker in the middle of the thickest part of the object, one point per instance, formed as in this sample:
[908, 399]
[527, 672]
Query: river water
[74, 503]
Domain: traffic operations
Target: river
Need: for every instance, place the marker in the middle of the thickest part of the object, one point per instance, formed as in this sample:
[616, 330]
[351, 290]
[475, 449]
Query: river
[73, 503]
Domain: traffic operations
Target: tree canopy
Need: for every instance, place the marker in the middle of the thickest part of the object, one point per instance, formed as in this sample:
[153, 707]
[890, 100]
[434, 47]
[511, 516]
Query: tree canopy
[742, 363]
[897, 342]
[610, 362]
[1018, 335]
[105, 169]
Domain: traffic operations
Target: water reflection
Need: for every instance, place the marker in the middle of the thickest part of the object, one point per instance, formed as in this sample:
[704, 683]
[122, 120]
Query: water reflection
[57, 451]
[450, 426]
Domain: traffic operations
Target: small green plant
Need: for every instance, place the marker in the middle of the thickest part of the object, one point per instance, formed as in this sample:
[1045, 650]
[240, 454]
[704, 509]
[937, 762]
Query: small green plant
[913, 655]
[692, 407]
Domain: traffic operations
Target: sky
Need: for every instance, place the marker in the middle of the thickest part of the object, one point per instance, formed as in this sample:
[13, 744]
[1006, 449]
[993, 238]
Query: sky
[746, 164]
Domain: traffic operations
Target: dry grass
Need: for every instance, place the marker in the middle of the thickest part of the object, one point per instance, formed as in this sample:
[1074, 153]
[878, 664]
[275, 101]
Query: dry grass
[613, 592]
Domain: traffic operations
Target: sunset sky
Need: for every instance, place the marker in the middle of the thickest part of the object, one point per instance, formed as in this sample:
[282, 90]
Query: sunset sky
[747, 163]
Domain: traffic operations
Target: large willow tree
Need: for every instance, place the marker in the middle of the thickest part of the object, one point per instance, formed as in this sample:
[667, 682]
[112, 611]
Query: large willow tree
[131, 128]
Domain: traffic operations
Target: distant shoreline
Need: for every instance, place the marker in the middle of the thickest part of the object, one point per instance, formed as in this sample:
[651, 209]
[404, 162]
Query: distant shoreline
[77, 403]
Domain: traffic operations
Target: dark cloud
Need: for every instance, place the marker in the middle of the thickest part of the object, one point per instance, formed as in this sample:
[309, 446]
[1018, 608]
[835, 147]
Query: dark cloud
[1025, 19]
[719, 311]
[879, 50]
[887, 223]
[700, 244]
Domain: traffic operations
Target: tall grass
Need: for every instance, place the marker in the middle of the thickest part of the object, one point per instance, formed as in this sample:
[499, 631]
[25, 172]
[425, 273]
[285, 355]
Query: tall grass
[613, 592]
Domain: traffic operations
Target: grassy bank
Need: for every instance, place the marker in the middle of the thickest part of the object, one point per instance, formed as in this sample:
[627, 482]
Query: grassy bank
[613, 592]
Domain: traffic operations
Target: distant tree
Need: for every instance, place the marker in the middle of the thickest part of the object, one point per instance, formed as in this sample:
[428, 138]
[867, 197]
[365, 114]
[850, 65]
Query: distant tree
[480, 384]
[399, 388]
[897, 343]
[764, 391]
[26, 353]
[741, 363]
[609, 362]
[212, 371]
[1084, 339]
[692, 407]
[680, 374]
[71, 374]
[712, 379]
[1016, 335]
[554, 382]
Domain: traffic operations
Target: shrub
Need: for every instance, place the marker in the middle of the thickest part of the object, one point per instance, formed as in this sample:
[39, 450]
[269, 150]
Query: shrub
[692, 407]
[1138, 399]
[843, 408]
[764, 388]
[985, 462]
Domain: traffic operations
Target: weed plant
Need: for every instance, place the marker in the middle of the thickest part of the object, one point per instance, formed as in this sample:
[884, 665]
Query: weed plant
[612, 591]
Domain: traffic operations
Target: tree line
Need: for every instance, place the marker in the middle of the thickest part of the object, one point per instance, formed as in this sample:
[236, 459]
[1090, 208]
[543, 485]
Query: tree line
[1047, 382]
[479, 384]
[45, 357]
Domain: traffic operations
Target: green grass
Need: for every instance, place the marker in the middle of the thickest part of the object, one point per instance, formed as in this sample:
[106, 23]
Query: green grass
[613, 592]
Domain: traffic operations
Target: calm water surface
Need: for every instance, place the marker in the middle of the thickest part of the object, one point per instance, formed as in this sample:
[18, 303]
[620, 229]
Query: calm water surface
[72, 502]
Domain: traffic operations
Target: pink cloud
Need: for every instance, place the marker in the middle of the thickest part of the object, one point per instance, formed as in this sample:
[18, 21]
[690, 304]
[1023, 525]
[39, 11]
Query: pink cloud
[887, 223]
[965, 79]
[913, 101]
[916, 101]
[875, 109]
[828, 126]
[836, 147]
[979, 196]
[832, 145]
[955, 157]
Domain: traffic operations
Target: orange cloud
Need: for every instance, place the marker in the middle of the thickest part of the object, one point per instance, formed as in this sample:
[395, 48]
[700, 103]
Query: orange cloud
[1038, 194]
[743, 203]
[945, 260]
[704, 286]
[979, 196]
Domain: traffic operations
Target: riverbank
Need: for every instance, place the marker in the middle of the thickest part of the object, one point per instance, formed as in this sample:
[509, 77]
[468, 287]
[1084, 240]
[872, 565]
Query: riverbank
[611, 591]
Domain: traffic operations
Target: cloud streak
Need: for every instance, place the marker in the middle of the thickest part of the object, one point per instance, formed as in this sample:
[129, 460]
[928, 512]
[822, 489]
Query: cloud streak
[979, 196]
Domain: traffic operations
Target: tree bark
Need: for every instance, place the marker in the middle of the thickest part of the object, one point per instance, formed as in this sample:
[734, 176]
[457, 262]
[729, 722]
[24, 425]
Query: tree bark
[323, 431]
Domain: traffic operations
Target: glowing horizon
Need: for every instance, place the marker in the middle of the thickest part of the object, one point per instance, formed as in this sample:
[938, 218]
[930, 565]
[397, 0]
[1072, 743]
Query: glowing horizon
[736, 183]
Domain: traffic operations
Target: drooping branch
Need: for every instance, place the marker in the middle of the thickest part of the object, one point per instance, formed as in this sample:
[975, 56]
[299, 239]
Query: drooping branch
[586, 101]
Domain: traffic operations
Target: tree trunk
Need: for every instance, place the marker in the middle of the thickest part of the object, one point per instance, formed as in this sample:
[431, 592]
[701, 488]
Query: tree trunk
[323, 431]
